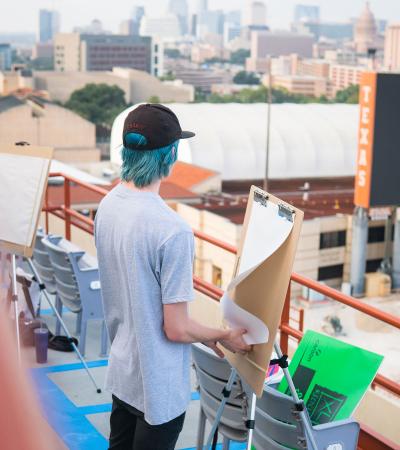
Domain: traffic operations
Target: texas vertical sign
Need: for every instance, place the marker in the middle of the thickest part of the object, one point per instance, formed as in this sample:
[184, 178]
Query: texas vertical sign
[377, 181]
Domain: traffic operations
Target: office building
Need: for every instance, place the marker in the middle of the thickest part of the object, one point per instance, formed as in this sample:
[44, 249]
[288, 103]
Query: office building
[306, 13]
[49, 24]
[210, 22]
[329, 30]
[392, 47]
[180, 9]
[95, 27]
[255, 14]
[343, 76]
[166, 27]
[75, 52]
[309, 85]
[5, 56]
[265, 44]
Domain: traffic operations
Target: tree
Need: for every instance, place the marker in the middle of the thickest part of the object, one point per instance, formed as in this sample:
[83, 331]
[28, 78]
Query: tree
[99, 103]
[244, 77]
[239, 56]
[173, 53]
[153, 99]
[348, 95]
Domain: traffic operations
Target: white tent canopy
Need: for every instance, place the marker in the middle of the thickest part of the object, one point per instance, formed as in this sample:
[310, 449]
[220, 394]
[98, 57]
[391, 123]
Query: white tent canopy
[307, 140]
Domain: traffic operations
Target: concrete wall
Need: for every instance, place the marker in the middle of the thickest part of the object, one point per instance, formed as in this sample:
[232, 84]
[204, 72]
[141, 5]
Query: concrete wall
[59, 127]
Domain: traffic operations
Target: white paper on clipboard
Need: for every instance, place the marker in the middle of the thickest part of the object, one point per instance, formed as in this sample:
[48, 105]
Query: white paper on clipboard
[266, 232]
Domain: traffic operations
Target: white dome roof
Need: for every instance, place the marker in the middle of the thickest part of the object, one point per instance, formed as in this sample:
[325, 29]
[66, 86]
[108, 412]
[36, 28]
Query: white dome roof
[307, 140]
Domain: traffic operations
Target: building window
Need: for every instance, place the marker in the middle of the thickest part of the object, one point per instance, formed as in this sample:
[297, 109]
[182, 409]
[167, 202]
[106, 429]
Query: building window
[373, 265]
[330, 272]
[332, 239]
[156, 60]
[376, 234]
[156, 48]
[216, 276]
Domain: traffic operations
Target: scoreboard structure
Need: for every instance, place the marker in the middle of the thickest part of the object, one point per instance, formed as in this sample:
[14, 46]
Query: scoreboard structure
[377, 181]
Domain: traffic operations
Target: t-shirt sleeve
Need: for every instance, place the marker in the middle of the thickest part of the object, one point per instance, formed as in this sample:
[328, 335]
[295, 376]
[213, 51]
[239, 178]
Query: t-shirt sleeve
[176, 268]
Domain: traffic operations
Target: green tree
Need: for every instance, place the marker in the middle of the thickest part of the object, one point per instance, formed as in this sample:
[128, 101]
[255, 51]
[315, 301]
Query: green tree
[348, 95]
[239, 56]
[154, 99]
[244, 77]
[99, 103]
[173, 53]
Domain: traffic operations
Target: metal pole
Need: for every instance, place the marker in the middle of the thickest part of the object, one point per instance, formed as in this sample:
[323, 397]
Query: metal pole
[396, 251]
[269, 98]
[293, 392]
[359, 250]
[43, 290]
[386, 265]
[14, 298]
[252, 418]
[226, 394]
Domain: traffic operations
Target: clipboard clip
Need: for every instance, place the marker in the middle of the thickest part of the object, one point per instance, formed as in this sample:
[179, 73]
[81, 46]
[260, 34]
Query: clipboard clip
[261, 198]
[286, 212]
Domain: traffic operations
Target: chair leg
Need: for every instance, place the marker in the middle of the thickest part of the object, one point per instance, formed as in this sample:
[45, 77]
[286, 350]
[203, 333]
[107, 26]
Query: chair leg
[201, 430]
[225, 443]
[82, 337]
[59, 310]
[104, 340]
[78, 323]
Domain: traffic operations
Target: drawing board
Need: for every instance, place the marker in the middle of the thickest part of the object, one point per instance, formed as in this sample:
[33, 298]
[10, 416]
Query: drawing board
[23, 179]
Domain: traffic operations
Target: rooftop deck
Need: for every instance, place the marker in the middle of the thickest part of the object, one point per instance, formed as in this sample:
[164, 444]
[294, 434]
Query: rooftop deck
[79, 416]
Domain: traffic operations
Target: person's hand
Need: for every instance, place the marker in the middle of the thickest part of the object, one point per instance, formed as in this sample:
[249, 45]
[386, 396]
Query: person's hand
[235, 342]
[214, 347]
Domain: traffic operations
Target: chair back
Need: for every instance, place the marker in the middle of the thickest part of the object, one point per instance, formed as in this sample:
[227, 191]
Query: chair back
[43, 264]
[67, 287]
[279, 426]
[212, 375]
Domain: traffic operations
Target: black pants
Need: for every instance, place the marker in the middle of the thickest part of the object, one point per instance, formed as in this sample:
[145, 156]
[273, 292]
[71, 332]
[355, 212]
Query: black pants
[129, 430]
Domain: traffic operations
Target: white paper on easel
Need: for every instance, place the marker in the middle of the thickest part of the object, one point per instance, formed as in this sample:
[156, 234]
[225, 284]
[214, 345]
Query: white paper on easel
[266, 232]
[23, 178]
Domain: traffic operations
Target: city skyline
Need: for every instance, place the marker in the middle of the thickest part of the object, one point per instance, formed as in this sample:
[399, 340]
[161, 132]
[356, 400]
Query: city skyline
[277, 16]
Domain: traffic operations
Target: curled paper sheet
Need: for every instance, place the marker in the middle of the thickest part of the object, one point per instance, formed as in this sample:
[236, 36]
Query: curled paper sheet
[266, 232]
[237, 317]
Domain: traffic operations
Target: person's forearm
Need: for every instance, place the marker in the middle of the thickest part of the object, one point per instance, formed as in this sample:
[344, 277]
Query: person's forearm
[192, 331]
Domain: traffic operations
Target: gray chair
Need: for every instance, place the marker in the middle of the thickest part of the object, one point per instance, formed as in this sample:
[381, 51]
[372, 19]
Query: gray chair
[78, 288]
[42, 263]
[278, 426]
[212, 375]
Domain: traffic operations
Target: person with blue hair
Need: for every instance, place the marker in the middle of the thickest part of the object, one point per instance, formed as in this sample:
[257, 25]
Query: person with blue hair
[145, 253]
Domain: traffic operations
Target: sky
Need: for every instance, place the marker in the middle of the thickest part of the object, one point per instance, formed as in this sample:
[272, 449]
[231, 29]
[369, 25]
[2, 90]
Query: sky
[22, 15]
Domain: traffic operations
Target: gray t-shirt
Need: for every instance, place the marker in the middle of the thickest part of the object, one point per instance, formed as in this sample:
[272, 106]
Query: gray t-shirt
[145, 252]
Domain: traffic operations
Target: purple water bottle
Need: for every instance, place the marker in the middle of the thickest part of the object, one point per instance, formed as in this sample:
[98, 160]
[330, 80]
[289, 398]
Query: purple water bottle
[41, 344]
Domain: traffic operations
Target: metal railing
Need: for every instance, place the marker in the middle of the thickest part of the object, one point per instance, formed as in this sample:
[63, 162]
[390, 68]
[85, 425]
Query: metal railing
[369, 439]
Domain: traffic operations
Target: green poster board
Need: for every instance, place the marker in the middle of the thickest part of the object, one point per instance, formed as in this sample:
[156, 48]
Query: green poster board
[330, 376]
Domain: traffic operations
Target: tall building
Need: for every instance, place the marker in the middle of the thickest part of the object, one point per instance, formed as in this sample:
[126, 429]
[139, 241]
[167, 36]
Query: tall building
[255, 14]
[137, 15]
[202, 6]
[49, 24]
[180, 9]
[5, 57]
[306, 13]
[365, 31]
[392, 47]
[210, 22]
[85, 52]
[165, 27]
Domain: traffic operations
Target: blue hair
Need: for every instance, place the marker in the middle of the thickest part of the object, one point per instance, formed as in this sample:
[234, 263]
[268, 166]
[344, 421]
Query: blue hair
[142, 167]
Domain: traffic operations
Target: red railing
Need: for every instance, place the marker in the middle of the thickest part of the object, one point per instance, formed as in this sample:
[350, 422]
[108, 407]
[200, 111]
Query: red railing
[369, 439]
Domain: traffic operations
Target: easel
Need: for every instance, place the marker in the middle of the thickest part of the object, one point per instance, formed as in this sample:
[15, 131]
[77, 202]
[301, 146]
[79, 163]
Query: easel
[255, 269]
[23, 246]
[250, 423]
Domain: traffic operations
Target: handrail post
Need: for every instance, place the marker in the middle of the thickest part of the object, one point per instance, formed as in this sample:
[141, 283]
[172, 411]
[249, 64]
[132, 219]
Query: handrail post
[284, 340]
[301, 319]
[67, 204]
[46, 201]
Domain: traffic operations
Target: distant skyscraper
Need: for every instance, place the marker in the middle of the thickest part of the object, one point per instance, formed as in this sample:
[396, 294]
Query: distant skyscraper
[392, 47]
[5, 56]
[202, 6]
[256, 14]
[306, 13]
[137, 13]
[49, 24]
[180, 9]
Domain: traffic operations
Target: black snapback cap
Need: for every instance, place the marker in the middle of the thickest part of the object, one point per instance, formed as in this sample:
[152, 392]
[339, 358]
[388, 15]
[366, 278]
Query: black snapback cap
[157, 123]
